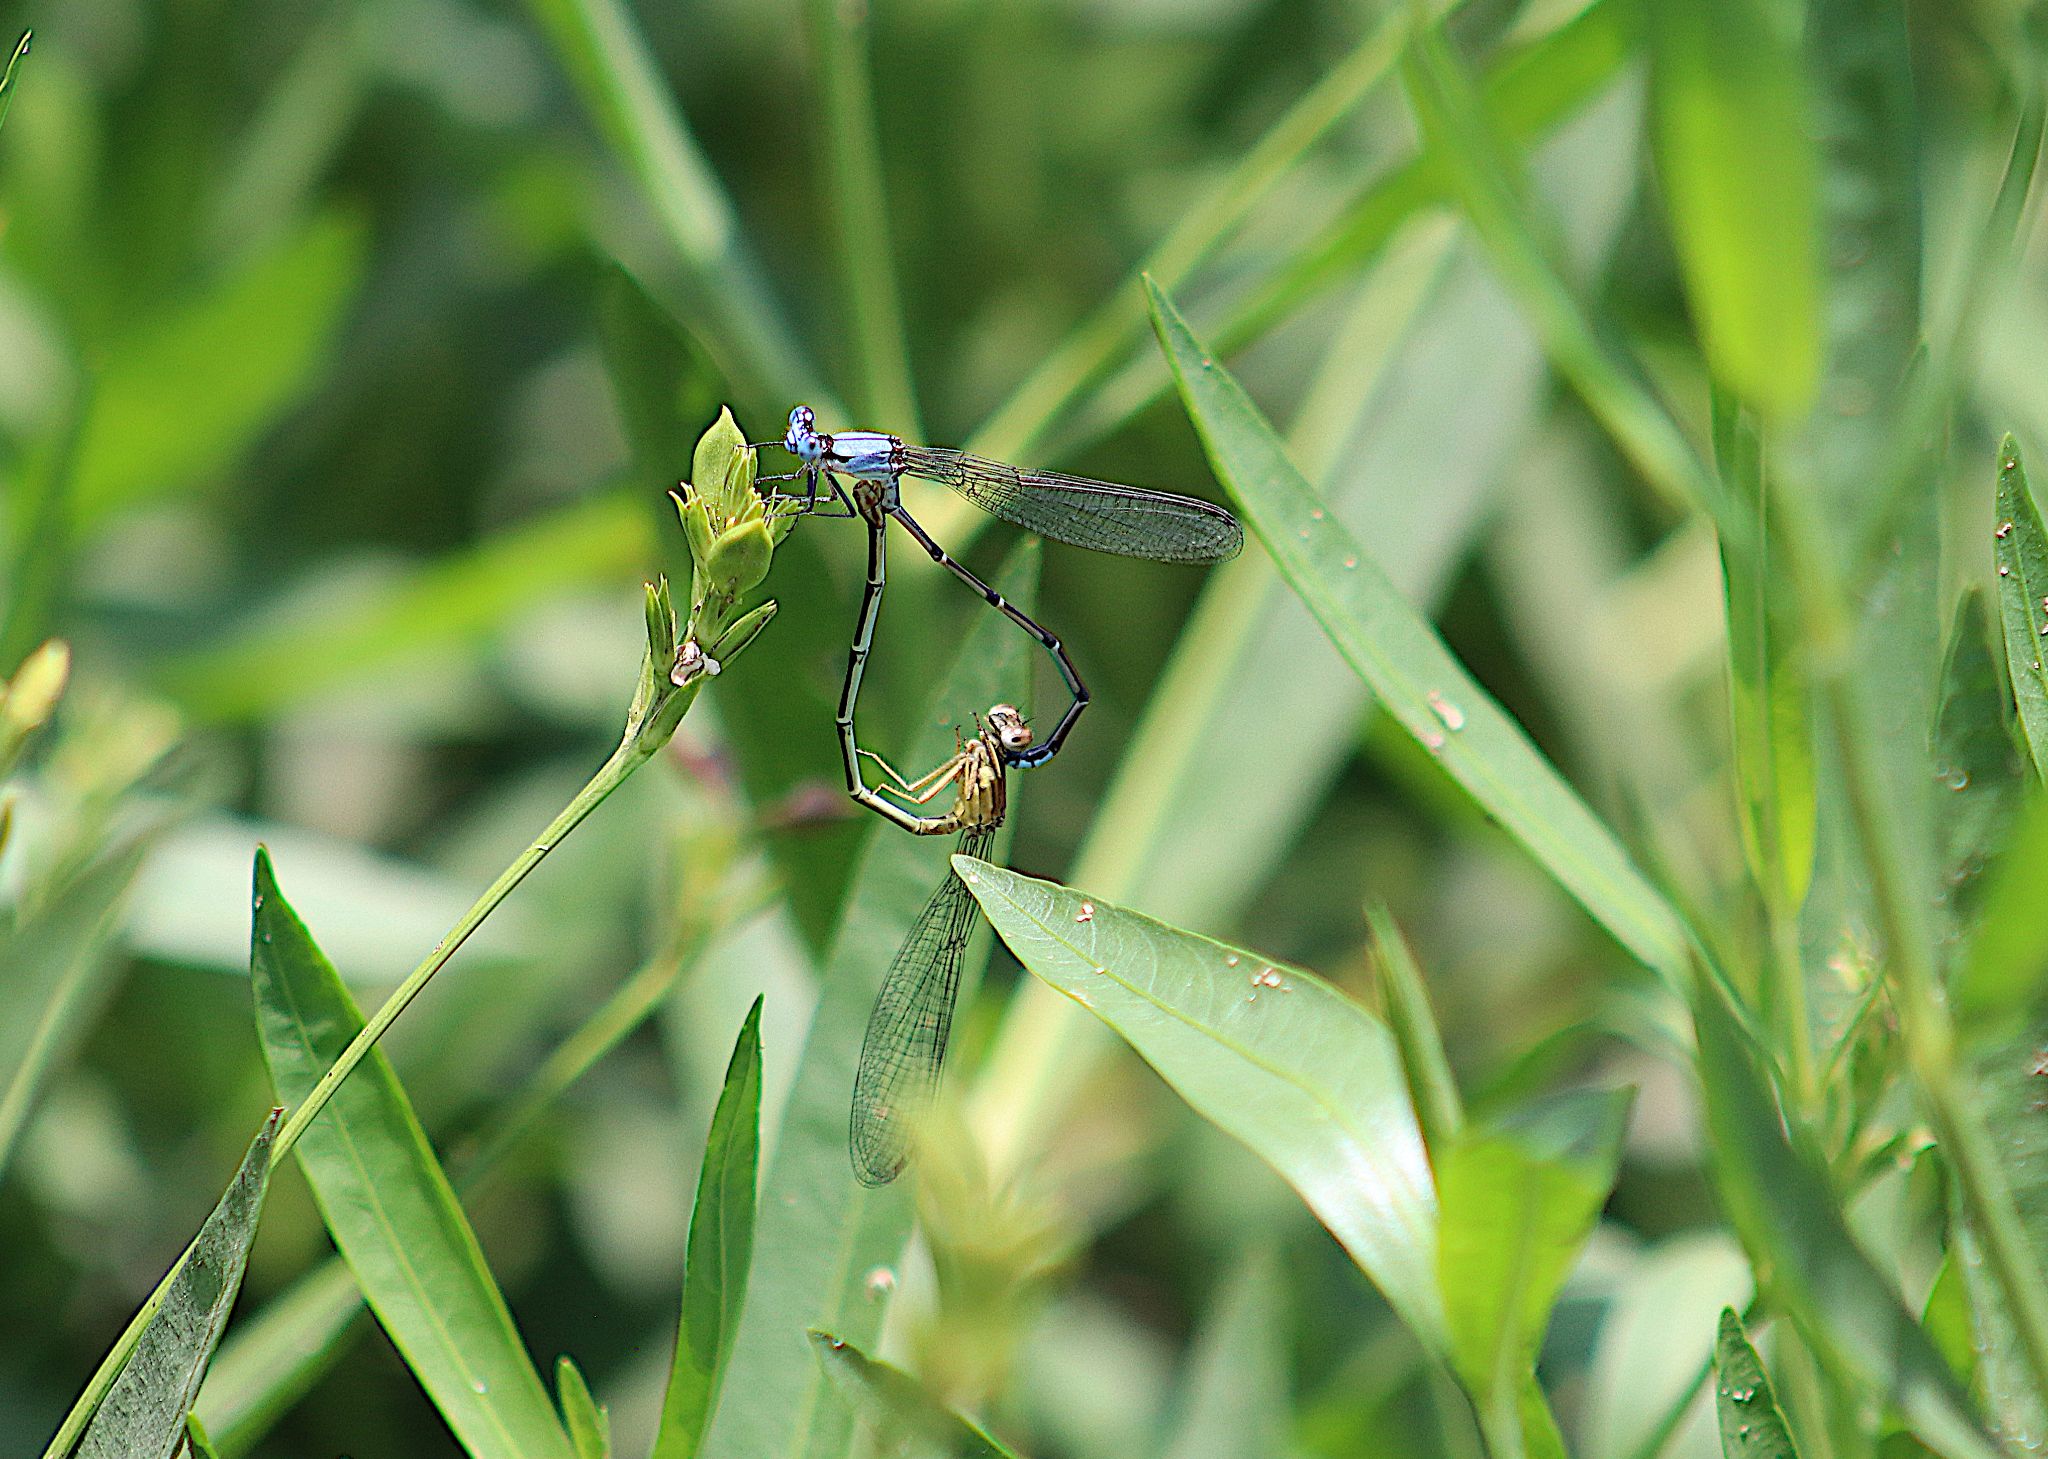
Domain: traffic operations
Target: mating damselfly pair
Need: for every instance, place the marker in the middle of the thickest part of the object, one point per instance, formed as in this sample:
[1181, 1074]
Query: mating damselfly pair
[858, 474]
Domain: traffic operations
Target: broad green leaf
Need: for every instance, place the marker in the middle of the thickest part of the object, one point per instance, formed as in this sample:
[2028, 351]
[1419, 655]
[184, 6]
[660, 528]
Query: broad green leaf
[720, 1248]
[1752, 1425]
[143, 1416]
[1976, 762]
[184, 396]
[1395, 650]
[2002, 975]
[1232, 1399]
[590, 1426]
[1276, 1058]
[1767, 687]
[727, 297]
[2020, 547]
[908, 1419]
[7, 75]
[820, 1234]
[388, 1205]
[55, 962]
[1776, 1193]
[298, 651]
[1740, 175]
[1406, 996]
[1517, 1203]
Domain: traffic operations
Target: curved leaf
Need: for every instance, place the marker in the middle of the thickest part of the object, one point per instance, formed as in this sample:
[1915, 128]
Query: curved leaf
[1305, 1077]
[1752, 1424]
[913, 1422]
[2020, 546]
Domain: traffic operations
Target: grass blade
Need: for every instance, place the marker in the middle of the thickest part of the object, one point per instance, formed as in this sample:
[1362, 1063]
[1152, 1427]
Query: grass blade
[1740, 175]
[388, 1205]
[721, 1247]
[143, 1416]
[295, 651]
[1976, 760]
[860, 206]
[2002, 977]
[1406, 996]
[1790, 1220]
[1396, 651]
[7, 75]
[820, 1232]
[1277, 1059]
[911, 1420]
[1752, 1425]
[602, 51]
[1517, 1204]
[2020, 547]
[1233, 1399]
[590, 1426]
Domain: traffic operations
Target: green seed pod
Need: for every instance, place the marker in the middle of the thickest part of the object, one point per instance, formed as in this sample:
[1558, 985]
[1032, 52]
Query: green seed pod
[696, 519]
[739, 558]
[742, 632]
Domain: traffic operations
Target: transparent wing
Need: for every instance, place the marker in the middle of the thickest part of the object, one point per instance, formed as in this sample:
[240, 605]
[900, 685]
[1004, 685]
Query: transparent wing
[1099, 515]
[905, 1046]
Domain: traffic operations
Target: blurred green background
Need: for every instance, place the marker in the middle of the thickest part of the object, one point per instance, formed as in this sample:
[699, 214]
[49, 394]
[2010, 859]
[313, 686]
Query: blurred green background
[313, 448]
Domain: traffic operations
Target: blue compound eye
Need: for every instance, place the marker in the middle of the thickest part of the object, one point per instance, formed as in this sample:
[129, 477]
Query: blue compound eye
[801, 439]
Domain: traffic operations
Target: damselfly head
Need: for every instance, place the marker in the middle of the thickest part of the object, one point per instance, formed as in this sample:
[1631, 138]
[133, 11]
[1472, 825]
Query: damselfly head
[802, 439]
[1011, 732]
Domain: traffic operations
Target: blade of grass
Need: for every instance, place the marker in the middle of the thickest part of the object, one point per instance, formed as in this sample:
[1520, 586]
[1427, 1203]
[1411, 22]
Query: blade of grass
[1752, 1424]
[1232, 1397]
[1387, 643]
[1740, 174]
[2000, 981]
[590, 1426]
[293, 652]
[721, 1246]
[1277, 1059]
[910, 1419]
[727, 293]
[2020, 547]
[1487, 183]
[820, 1233]
[860, 208]
[387, 1203]
[1976, 762]
[143, 1416]
[7, 74]
[1406, 997]
[1531, 93]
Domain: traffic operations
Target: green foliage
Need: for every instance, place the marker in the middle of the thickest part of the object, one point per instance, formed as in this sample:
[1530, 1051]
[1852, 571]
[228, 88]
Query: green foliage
[1608, 388]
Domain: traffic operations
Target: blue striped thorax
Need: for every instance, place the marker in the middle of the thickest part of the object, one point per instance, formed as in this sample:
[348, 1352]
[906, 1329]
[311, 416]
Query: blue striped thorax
[868, 455]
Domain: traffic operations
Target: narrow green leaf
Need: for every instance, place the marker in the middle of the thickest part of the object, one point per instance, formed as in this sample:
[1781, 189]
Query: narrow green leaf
[143, 1416]
[1517, 1204]
[184, 396]
[820, 1234]
[1768, 690]
[1740, 174]
[387, 1203]
[1232, 1398]
[55, 963]
[910, 1420]
[1276, 1058]
[590, 1425]
[1400, 655]
[2020, 546]
[1976, 761]
[296, 651]
[1778, 1198]
[724, 288]
[1752, 1425]
[1409, 1015]
[7, 75]
[721, 1246]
